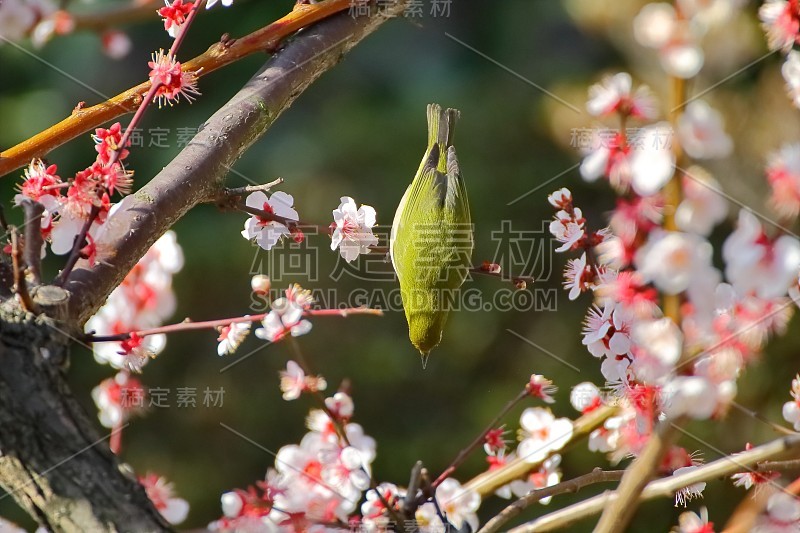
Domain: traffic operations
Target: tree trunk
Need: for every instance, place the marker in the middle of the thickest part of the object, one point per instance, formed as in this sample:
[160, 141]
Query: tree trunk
[52, 460]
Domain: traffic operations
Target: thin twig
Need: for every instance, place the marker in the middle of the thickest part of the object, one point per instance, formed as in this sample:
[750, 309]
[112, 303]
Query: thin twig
[20, 287]
[77, 246]
[465, 453]
[410, 506]
[188, 325]
[664, 487]
[80, 242]
[573, 485]
[241, 191]
[32, 251]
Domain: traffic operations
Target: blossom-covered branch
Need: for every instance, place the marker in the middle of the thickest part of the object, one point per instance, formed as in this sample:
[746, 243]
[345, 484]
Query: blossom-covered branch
[665, 487]
[85, 119]
[195, 175]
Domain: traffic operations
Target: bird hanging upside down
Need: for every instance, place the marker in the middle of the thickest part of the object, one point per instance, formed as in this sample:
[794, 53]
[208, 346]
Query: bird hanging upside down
[431, 241]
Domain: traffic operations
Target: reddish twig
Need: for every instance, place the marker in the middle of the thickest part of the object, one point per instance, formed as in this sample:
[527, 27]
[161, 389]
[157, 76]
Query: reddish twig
[80, 242]
[463, 454]
[188, 325]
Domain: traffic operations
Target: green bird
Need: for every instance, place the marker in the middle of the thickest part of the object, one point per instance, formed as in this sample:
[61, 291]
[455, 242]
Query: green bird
[431, 241]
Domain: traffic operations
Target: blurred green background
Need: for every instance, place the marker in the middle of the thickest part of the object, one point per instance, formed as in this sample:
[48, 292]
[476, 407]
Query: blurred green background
[360, 131]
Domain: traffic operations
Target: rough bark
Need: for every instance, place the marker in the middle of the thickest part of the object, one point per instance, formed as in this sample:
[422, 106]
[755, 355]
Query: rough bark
[53, 461]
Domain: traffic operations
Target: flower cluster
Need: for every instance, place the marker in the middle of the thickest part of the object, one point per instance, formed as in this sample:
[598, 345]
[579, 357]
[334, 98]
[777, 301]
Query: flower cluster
[170, 80]
[781, 22]
[91, 189]
[645, 161]
[286, 316]
[143, 300]
[118, 398]
[319, 481]
[160, 491]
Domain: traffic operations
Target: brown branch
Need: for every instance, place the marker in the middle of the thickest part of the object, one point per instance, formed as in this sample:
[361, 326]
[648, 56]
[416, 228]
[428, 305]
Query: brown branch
[32, 252]
[565, 487]
[217, 56]
[102, 19]
[20, 286]
[197, 172]
[617, 515]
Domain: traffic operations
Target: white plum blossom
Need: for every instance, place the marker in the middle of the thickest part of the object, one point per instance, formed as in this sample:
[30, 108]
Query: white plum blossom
[659, 344]
[545, 476]
[686, 494]
[267, 233]
[353, 229]
[658, 26]
[606, 331]
[286, 316]
[652, 159]
[541, 433]
[340, 405]
[606, 438]
[226, 3]
[701, 131]
[654, 25]
[693, 396]
[703, 205]
[613, 95]
[646, 163]
[294, 382]
[118, 398]
[561, 199]
[690, 522]
[143, 300]
[458, 504]
[783, 175]
[791, 410]
[567, 228]
[540, 387]
[780, 24]
[782, 516]
[231, 336]
[754, 263]
[578, 277]
[374, 513]
[671, 259]
[427, 519]
[161, 493]
[791, 73]
[585, 396]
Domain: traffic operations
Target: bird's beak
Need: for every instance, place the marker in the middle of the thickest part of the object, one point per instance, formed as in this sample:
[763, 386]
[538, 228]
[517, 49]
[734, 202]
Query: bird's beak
[425, 359]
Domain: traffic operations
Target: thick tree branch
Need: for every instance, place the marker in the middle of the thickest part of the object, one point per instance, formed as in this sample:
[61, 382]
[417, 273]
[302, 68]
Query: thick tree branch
[197, 172]
[53, 462]
[217, 56]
